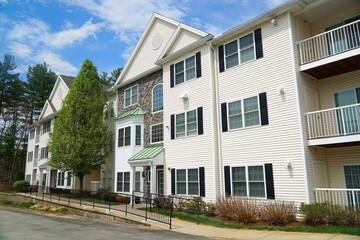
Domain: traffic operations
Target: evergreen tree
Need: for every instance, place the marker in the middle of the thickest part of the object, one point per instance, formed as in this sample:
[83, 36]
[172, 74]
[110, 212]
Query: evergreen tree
[80, 140]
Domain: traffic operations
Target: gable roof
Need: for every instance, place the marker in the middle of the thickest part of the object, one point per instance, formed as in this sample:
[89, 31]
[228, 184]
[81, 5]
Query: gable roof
[135, 111]
[148, 27]
[68, 80]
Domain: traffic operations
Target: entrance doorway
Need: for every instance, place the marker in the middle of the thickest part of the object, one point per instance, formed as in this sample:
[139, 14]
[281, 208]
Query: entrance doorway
[160, 182]
[53, 178]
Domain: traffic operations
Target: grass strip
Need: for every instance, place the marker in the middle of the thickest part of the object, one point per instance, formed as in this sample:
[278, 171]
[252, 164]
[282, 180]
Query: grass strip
[217, 223]
[66, 196]
[10, 192]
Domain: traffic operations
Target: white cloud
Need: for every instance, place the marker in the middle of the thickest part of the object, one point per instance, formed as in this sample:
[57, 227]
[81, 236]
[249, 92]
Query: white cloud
[3, 2]
[274, 3]
[56, 62]
[20, 50]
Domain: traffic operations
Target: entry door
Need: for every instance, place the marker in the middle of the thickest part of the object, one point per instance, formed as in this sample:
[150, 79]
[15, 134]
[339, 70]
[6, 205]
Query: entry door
[320, 175]
[53, 179]
[160, 182]
[348, 118]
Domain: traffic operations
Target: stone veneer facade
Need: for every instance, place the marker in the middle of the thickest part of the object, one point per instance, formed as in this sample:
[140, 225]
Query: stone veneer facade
[145, 87]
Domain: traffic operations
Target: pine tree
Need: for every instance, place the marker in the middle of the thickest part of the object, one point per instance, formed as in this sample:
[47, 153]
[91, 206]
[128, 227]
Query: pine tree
[80, 140]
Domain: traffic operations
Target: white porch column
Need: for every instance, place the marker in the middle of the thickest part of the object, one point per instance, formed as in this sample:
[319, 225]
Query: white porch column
[132, 179]
[153, 179]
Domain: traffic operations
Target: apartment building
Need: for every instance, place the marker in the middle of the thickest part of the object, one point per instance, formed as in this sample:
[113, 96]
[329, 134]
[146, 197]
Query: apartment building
[37, 170]
[269, 109]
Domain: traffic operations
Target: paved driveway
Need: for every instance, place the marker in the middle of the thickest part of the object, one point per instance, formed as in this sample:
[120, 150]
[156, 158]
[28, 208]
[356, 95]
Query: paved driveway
[18, 224]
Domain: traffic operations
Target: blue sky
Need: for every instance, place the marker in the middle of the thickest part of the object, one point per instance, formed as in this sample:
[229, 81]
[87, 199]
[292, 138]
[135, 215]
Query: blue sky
[63, 33]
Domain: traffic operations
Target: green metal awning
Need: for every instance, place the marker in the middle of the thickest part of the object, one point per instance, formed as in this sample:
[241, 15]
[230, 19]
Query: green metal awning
[44, 165]
[135, 111]
[147, 153]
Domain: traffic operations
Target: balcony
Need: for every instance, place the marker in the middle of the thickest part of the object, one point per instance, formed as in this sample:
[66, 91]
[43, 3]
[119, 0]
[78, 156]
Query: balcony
[339, 125]
[37, 139]
[331, 53]
[342, 196]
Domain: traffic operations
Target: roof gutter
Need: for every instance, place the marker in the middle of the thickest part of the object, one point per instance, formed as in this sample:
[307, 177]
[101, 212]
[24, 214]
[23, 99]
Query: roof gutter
[259, 19]
[189, 47]
[137, 77]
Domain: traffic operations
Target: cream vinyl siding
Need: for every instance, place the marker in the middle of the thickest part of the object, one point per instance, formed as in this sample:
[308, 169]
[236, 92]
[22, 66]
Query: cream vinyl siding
[147, 56]
[193, 151]
[335, 159]
[280, 140]
[48, 110]
[185, 38]
[328, 86]
[57, 99]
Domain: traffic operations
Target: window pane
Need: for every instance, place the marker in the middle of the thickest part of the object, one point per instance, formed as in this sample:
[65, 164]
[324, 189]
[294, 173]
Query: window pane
[137, 181]
[232, 61]
[181, 188]
[179, 78]
[128, 97]
[121, 137]
[256, 173]
[352, 176]
[246, 41]
[190, 74]
[238, 174]
[239, 188]
[235, 108]
[251, 109]
[193, 188]
[157, 133]
[231, 48]
[180, 125]
[179, 67]
[181, 175]
[193, 175]
[252, 119]
[158, 98]
[69, 179]
[190, 62]
[247, 55]
[138, 135]
[191, 123]
[119, 181]
[257, 189]
[134, 95]
[235, 122]
[251, 104]
[127, 136]
[126, 187]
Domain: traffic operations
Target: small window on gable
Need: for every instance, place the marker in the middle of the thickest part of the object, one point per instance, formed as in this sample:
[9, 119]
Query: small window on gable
[131, 96]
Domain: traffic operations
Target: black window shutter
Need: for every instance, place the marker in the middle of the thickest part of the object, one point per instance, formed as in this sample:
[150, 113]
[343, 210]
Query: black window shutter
[200, 121]
[269, 181]
[221, 59]
[263, 109]
[173, 181]
[227, 180]
[202, 181]
[258, 43]
[172, 75]
[198, 64]
[224, 117]
[172, 120]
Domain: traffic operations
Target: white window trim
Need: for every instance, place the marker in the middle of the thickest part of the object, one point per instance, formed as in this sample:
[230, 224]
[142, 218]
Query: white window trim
[247, 180]
[238, 50]
[187, 182]
[62, 173]
[141, 135]
[183, 60]
[152, 98]
[117, 137]
[151, 133]
[32, 130]
[243, 113]
[137, 97]
[343, 90]
[123, 181]
[186, 123]
[343, 171]
[140, 176]
[32, 156]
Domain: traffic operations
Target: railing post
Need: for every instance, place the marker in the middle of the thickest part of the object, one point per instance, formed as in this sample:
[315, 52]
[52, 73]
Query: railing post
[37, 190]
[353, 197]
[126, 203]
[343, 120]
[333, 43]
[50, 194]
[80, 197]
[69, 197]
[44, 193]
[132, 200]
[150, 201]
[59, 195]
[171, 210]
[93, 202]
[109, 203]
[301, 56]
[146, 202]
[197, 214]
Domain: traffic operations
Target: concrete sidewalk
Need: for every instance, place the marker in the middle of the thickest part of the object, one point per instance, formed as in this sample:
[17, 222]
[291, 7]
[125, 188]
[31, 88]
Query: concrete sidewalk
[191, 228]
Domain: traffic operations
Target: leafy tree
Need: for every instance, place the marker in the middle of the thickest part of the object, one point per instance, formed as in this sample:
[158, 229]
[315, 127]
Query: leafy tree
[40, 82]
[80, 139]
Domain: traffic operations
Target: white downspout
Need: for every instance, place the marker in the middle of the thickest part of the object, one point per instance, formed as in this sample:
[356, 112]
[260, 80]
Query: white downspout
[217, 141]
[298, 106]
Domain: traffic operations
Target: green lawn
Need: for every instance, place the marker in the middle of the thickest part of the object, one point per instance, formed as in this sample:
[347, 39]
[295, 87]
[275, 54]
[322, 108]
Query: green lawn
[87, 199]
[10, 192]
[217, 223]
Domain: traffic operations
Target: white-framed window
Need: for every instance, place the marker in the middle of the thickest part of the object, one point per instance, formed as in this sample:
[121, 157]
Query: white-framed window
[157, 98]
[248, 181]
[131, 96]
[32, 133]
[28, 177]
[124, 137]
[46, 126]
[30, 156]
[186, 124]
[69, 177]
[244, 113]
[44, 178]
[138, 135]
[123, 182]
[44, 153]
[185, 70]
[187, 181]
[137, 181]
[157, 133]
[61, 179]
[240, 50]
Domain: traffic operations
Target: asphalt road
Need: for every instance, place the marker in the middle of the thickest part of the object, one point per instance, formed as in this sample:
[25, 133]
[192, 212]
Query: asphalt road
[18, 224]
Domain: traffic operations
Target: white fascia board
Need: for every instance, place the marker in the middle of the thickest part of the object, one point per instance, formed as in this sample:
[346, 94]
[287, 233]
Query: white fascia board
[140, 42]
[171, 42]
[330, 59]
[56, 85]
[137, 77]
[334, 140]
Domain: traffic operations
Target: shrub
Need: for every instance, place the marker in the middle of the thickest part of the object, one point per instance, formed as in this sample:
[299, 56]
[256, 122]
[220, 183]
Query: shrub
[239, 209]
[63, 209]
[194, 205]
[278, 213]
[110, 197]
[122, 199]
[47, 208]
[19, 183]
[19, 175]
[26, 204]
[137, 200]
[7, 202]
[315, 213]
[162, 202]
[210, 210]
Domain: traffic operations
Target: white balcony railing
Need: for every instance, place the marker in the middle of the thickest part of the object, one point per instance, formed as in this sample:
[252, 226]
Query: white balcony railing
[341, 196]
[35, 162]
[334, 122]
[37, 139]
[329, 43]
